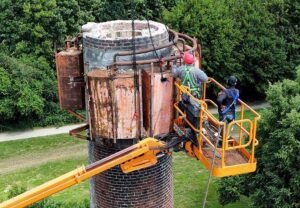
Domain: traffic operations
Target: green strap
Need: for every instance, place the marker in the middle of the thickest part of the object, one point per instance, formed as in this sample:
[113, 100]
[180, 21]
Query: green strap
[187, 78]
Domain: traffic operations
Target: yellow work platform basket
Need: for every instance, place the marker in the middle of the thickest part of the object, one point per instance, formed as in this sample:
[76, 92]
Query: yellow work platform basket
[236, 154]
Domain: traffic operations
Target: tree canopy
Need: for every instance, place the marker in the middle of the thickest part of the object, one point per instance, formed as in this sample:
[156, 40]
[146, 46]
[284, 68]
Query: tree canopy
[258, 41]
[28, 92]
[240, 38]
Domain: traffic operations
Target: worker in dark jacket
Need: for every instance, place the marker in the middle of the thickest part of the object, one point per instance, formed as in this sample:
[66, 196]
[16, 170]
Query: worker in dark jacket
[227, 100]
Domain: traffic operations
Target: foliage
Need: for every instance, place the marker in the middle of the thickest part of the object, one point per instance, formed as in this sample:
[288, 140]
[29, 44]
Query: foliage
[237, 37]
[33, 27]
[144, 9]
[28, 91]
[24, 87]
[287, 16]
[29, 30]
[277, 180]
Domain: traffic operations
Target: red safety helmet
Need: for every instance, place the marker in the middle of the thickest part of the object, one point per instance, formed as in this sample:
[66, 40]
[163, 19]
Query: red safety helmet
[188, 58]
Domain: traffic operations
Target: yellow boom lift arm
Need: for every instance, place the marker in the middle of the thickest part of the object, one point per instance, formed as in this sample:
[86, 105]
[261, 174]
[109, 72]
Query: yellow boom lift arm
[138, 156]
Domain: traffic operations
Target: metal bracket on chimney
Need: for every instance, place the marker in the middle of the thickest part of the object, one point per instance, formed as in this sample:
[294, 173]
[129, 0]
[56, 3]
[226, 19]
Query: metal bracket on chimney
[76, 132]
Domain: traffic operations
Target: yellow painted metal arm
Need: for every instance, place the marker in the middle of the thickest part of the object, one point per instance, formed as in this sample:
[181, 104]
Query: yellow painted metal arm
[135, 157]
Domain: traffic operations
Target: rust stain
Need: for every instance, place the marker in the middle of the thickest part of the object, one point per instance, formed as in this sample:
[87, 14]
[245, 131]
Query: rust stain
[163, 105]
[125, 107]
[162, 95]
[112, 105]
[100, 107]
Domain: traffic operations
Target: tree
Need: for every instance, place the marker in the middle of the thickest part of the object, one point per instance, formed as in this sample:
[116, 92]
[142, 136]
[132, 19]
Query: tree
[261, 51]
[144, 9]
[28, 92]
[32, 27]
[287, 17]
[237, 37]
[22, 94]
[277, 179]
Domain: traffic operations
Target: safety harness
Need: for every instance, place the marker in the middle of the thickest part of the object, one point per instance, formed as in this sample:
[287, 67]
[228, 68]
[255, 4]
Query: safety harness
[187, 80]
[235, 98]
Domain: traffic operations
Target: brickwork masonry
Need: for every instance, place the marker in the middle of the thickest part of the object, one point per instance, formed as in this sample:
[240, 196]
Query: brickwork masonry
[150, 188]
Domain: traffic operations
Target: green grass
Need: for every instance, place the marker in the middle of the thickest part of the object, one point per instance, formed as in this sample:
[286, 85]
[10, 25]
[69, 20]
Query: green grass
[190, 180]
[32, 177]
[190, 176]
[248, 114]
[35, 145]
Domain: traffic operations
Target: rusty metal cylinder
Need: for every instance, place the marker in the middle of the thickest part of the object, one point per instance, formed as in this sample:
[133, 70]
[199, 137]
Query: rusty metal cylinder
[69, 68]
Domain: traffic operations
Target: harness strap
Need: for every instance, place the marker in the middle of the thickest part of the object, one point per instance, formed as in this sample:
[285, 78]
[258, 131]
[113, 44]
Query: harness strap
[187, 79]
[236, 97]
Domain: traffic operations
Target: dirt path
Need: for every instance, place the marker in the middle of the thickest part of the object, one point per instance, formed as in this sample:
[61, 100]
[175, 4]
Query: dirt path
[30, 160]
